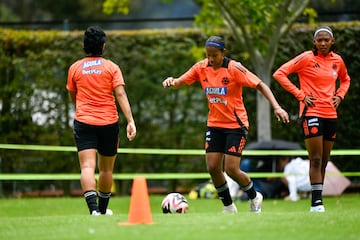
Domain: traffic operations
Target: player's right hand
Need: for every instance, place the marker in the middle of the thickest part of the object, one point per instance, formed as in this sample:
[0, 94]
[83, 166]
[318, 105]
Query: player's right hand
[170, 81]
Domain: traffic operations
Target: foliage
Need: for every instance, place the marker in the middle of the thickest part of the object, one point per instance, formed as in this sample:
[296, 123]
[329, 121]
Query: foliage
[257, 26]
[33, 71]
[119, 6]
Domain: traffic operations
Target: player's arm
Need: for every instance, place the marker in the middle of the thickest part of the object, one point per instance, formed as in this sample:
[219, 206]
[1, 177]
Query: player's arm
[124, 104]
[70, 85]
[282, 73]
[344, 85]
[189, 77]
[172, 82]
[280, 113]
[72, 95]
[344, 79]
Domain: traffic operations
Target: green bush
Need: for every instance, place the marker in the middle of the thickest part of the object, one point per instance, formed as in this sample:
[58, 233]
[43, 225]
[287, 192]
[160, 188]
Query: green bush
[33, 72]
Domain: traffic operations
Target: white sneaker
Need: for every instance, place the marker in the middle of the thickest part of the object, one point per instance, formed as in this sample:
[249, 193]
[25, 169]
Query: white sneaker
[109, 212]
[255, 204]
[230, 209]
[292, 198]
[95, 213]
[319, 208]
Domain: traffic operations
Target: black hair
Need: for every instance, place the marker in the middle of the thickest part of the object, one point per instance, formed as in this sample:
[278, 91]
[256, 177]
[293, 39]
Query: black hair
[215, 41]
[327, 29]
[94, 40]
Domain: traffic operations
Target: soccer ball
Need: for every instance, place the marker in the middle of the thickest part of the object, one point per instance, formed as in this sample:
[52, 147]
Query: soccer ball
[174, 203]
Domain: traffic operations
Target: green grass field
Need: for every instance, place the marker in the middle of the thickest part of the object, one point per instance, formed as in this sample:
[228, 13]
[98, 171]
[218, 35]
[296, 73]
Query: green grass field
[67, 218]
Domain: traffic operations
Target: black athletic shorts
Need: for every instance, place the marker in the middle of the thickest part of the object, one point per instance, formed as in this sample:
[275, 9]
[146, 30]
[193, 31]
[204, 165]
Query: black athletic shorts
[105, 139]
[228, 141]
[315, 126]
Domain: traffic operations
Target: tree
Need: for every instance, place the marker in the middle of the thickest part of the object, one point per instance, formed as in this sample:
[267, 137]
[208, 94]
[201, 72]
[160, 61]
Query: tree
[257, 26]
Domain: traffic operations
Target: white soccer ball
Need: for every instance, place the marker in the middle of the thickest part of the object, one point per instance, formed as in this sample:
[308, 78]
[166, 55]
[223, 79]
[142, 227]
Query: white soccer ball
[174, 203]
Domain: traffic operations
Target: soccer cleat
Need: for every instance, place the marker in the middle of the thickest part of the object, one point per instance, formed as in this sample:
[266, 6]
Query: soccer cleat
[319, 208]
[95, 213]
[109, 212]
[230, 209]
[255, 204]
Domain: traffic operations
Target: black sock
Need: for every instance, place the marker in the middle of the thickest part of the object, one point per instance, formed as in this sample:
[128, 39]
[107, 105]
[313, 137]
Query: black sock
[103, 201]
[224, 194]
[316, 194]
[250, 190]
[90, 197]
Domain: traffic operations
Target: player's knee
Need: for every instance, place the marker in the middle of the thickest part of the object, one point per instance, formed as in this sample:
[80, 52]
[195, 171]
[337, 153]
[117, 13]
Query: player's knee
[213, 169]
[316, 162]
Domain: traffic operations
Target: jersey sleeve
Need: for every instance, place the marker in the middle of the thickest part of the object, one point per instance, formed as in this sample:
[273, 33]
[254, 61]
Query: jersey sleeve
[248, 79]
[192, 75]
[70, 85]
[344, 79]
[117, 75]
[292, 66]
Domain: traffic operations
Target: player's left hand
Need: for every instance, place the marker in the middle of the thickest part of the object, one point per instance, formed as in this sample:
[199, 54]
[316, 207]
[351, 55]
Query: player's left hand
[131, 131]
[281, 115]
[336, 101]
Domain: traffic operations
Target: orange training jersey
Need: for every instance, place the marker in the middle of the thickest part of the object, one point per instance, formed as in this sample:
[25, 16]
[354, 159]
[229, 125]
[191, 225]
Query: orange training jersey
[93, 80]
[317, 77]
[223, 89]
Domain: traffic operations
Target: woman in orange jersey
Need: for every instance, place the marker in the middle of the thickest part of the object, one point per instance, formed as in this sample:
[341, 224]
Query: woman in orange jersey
[91, 84]
[318, 72]
[222, 80]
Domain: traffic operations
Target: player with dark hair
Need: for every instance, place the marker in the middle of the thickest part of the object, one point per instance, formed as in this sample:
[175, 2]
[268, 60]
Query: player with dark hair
[91, 83]
[319, 97]
[222, 80]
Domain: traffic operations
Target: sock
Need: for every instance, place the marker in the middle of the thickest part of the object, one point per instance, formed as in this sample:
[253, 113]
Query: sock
[224, 194]
[90, 197]
[316, 194]
[103, 201]
[250, 190]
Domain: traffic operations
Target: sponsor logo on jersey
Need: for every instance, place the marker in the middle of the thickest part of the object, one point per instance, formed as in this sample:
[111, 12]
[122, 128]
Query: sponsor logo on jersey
[217, 100]
[92, 63]
[222, 91]
[91, 71]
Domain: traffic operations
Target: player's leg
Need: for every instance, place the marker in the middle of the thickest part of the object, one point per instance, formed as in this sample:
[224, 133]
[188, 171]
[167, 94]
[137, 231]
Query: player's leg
[106, 166]
[232, 168]
[108, 144]
[215, 148]
[327, 146]
[329, 128]
[314, 147]
[87, 160]
[235, 142]
[313, 129]
[214, 166]
[86, 143]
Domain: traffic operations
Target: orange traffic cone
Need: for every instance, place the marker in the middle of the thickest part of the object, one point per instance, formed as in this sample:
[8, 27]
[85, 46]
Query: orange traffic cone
[140, 212]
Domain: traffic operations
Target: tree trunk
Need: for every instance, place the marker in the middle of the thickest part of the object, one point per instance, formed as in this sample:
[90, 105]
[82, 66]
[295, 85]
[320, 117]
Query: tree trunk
[263, 116]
